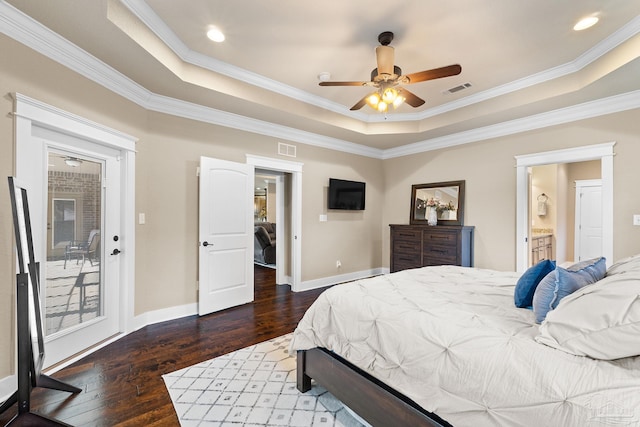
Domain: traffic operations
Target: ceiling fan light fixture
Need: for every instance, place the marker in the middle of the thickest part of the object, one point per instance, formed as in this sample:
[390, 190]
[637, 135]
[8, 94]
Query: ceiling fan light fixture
[389, 95]
[382, 106]
[373, 100]
[398, 101]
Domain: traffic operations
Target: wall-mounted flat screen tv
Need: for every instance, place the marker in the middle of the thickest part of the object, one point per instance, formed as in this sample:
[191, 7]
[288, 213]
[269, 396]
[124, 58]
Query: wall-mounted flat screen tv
[347, 195]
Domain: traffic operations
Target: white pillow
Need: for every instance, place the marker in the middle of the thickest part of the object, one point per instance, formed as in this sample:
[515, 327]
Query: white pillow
[625, 265]
[601, 321]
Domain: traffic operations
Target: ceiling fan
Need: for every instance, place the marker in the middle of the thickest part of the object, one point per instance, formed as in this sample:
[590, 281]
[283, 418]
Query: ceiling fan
[388, 78]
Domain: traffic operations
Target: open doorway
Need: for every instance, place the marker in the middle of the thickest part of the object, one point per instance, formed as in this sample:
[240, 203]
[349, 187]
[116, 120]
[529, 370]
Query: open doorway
[553, 204]
[288, 213]
[265, 217]
[602, 152]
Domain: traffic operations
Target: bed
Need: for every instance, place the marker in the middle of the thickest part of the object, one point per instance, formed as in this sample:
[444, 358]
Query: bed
[447, 346]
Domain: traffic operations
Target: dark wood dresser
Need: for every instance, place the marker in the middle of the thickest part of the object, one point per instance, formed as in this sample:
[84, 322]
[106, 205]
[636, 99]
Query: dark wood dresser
[422, 245]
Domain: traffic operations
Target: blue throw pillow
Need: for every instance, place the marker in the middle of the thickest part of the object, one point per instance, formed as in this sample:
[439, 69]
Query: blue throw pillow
[562, 282]
[527, 283]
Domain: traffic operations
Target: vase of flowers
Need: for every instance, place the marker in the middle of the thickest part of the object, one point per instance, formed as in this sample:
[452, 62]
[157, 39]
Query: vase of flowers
[432, 211]
[446, 211]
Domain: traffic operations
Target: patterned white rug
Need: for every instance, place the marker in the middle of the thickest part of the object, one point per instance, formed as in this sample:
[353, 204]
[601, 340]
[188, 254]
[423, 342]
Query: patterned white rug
[254, 386]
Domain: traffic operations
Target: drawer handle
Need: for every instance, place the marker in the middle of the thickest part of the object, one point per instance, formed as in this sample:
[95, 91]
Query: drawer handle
[406, 259]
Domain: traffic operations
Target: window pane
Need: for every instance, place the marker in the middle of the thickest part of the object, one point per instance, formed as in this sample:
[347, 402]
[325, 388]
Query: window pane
[73, 292]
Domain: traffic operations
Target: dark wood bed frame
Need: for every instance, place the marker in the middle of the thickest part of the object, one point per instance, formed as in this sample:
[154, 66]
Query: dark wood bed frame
[371, 399]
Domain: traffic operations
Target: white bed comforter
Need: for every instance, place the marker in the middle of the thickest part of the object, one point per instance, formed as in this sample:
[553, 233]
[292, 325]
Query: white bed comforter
[451, 339]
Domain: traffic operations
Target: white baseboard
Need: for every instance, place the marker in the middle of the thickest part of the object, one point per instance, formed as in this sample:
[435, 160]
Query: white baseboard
[139, 322]
[8, 386]
[164, 314]
[348, 277]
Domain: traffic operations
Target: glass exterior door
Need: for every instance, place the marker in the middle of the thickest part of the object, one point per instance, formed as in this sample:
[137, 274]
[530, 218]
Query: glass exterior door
[74, 250]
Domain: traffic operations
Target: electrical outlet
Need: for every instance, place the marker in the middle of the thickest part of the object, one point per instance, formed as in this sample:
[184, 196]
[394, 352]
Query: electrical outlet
[338, 264]
[636, 219]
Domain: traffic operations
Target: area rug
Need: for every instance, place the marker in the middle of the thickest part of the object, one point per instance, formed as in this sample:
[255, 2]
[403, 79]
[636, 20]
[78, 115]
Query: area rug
[254, 386]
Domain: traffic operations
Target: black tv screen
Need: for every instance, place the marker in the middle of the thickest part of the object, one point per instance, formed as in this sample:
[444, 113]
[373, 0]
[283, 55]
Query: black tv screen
[347, 195]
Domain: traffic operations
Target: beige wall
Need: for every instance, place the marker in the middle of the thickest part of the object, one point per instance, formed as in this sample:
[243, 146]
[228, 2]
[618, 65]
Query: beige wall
[489, 170]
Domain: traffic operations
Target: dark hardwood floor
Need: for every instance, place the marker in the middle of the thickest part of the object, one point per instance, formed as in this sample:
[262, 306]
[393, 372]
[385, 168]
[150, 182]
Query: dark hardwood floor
[122, 384]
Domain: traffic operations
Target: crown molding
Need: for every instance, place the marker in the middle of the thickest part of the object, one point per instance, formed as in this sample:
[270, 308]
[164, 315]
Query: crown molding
[34, 35]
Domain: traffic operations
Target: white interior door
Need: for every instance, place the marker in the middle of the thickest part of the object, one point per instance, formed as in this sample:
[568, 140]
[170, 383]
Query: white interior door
[226, 235]
[588, 240]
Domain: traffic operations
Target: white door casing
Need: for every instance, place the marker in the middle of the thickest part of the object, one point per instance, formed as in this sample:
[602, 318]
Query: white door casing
[226, 235]
[41, 127]
[588, 223]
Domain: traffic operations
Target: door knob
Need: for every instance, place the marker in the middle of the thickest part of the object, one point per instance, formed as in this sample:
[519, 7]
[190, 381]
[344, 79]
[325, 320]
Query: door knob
[115, 252]
[207, 244]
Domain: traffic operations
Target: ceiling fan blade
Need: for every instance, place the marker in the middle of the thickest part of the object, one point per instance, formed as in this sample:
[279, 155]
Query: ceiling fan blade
[359, 104]
[343, 83]
[411, 98]
[385, 57]
[436, 73]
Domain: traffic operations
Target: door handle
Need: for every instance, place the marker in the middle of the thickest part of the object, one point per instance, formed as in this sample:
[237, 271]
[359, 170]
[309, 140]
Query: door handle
[115, 252]
[207, 244]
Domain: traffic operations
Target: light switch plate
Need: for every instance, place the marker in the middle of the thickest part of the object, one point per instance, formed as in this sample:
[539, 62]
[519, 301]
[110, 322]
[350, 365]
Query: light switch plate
[636, 219]
[323, 218]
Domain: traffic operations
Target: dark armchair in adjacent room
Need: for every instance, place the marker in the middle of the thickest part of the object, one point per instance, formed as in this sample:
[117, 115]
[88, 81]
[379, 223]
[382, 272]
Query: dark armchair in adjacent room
[264, 243]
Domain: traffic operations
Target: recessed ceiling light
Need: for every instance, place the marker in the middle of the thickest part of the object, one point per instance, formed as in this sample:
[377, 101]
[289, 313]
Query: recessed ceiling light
[585, 23]
[215, 34]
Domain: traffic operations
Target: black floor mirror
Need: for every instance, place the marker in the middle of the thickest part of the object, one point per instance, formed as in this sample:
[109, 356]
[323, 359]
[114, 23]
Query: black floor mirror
[29, 320]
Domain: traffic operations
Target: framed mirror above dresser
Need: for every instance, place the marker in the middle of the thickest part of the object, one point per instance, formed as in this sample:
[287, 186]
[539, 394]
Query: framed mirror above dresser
[446, 198]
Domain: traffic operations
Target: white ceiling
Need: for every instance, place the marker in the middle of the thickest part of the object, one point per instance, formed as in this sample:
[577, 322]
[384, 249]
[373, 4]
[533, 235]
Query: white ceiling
[521, 58]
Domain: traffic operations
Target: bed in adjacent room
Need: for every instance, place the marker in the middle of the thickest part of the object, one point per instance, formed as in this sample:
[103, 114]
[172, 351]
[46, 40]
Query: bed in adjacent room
[447, 344]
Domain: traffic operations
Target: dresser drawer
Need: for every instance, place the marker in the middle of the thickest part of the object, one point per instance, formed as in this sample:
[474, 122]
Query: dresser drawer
[440, 260]
[406, 247]
[440, 238]
[402, 262]
[408, 234]
[439, 250]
